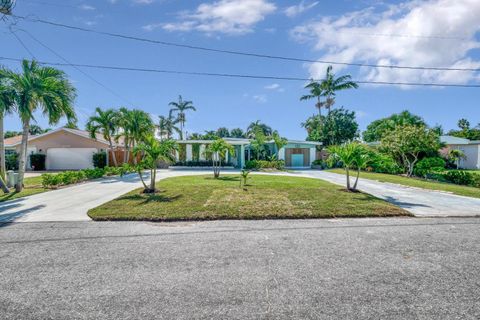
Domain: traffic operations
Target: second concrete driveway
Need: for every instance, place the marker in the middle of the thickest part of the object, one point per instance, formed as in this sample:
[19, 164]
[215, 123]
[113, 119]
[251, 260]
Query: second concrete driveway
[420, 202]
[72, 203]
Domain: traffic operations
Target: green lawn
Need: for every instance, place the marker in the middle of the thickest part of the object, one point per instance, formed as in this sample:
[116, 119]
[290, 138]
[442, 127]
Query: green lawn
[265, 197]
[32, 186]
[419, 183]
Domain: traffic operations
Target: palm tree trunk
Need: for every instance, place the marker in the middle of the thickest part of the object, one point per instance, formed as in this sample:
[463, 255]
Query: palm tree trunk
[22, 164]
[114, 156]
[3, 169]
[348, 178]
[356, 181]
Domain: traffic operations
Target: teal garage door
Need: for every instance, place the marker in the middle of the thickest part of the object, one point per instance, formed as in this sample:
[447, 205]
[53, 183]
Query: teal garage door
[297, 160]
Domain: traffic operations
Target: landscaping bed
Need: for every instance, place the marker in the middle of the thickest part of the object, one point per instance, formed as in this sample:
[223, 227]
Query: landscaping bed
[418, 183]
[264, 197]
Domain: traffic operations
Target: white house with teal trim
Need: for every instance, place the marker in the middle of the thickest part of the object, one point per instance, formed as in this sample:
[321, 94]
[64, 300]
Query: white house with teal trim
[296, 154]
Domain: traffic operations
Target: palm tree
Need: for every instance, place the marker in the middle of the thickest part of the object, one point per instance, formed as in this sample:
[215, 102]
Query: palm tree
[7, 105]
[279, 141]
[153, 151]
[180, 107]
[38, 87]
[351, 156]
[167, 126]
[135, 126]
[257, 125]
[316, 92]
[330, 85]
[218, 149]
[107, 123]
[237, 133]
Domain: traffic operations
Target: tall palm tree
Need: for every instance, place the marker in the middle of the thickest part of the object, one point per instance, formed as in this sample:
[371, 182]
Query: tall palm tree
[180, 107]
[107, 123]
[167, 126]
[331, 85]
[135, 125]
[316, 92]
[7, 105]
[40, 88]
[257, 125]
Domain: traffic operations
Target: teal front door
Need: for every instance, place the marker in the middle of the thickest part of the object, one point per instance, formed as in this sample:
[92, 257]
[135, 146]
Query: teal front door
[297, 160]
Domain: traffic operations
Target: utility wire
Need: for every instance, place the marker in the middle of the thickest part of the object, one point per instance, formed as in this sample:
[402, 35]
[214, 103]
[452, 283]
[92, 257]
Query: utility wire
[239, 53]
[77, 68]
[232, 75]
[21, 42]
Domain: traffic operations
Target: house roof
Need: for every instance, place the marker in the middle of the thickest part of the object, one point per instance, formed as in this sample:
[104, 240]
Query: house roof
[14, 141]
[448, 140]
[242, 141]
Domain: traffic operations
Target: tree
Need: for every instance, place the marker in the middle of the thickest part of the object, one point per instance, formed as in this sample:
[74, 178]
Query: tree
[153, 151]
[167, 126]
[7, 106]
[180, 107]
[237, 133]
[36, 130]
[338, 127]
[466, 131]
[331, 85]
[210, 135]
[218, 149]
[38, 87]
[258, 143]
[10, 134]
[135, 126]
[223, 132]
[408, 142]
[257, 125]
[379, 128]
[279, 141]
[106, 123]
[463, 124]
[351, 156]
[316, 92]
[71, 125]
[456, 155]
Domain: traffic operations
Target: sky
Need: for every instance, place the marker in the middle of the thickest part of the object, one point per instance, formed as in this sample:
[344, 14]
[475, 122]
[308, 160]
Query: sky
[435, 33]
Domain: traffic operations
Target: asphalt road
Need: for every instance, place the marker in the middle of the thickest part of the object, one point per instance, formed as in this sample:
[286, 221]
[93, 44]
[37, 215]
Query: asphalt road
[401, 268]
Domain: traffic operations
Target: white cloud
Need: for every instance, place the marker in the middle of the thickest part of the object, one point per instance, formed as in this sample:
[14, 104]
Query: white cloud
[86, 7]
[260, 98]
[143, 1]
[274, 87]
[233, 17]
[434, 33]
[298, 9]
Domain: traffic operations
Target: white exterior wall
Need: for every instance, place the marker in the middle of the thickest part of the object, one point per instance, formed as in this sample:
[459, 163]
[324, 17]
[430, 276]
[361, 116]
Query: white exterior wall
[189, 153]
[313, 154]
[472, 152]
[202, 152]
[281, 154]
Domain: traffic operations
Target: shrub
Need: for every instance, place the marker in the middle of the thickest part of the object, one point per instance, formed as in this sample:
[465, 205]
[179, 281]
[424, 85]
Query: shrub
[94, 173]
[50, 180]
[461, 177]
[320, 163]
[383, 163]
[100, 160]
[37, 161]
[67, 177]
[112, 171]
[264, 164]
[11, 161]
[429, 165]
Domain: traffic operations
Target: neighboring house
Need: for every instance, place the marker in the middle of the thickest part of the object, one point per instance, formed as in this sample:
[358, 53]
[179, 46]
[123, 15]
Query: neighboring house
[65, 149]
[297, 154]
[470, 148]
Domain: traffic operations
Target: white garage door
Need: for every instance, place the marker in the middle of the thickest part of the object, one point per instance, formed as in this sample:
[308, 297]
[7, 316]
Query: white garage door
[70, 158]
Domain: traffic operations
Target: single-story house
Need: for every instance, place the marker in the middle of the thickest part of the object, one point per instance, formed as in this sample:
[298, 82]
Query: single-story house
[470, 148]
[296, 154]
[65, 149]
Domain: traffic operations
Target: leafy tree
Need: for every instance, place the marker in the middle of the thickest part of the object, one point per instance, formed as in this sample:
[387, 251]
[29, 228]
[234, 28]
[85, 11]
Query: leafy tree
[466, 131]
[463, 124]
[237, 133]
[210, 135]
[153, 151]
[258, 144]
[218, 150]
[223, 132]
[379, 128]
[351, 156]
[257, 125]
[338, 127]
[7, 106]
[10, 134]
[180, 107]
[167, 126]
[408, 142]
[195, 136]
[106, 123]
[44, 88]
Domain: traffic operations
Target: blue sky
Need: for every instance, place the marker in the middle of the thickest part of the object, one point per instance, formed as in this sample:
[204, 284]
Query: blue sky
[440, 33]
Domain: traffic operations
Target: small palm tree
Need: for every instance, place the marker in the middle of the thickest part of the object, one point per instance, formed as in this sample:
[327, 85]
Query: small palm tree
[351, 156]
[279, 141]
[218, 149]
[457, 155]
[107, 123]
[180, 107]
[7, 106]
[167, 126]
[331, 85]
[135, 125]
[38, 87]
[153, 151]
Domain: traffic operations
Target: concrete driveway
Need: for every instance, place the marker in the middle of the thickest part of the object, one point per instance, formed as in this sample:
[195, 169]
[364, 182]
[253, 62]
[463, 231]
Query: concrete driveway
[420, 202]
[398, 268]
[72, 203]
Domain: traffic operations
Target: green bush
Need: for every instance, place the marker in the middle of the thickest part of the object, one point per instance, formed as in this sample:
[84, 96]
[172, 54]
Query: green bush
[11, 161]
[51, 180]
[37, 161]
[383, 163]
[100, 160]
[429, 165]
[94, 173]
[461, 177]
[320, 163]
[264, 164]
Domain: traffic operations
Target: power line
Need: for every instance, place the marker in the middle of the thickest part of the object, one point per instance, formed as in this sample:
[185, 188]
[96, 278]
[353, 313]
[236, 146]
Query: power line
[77, 68]
[244, 76]
[21, 42]
[239, 53]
